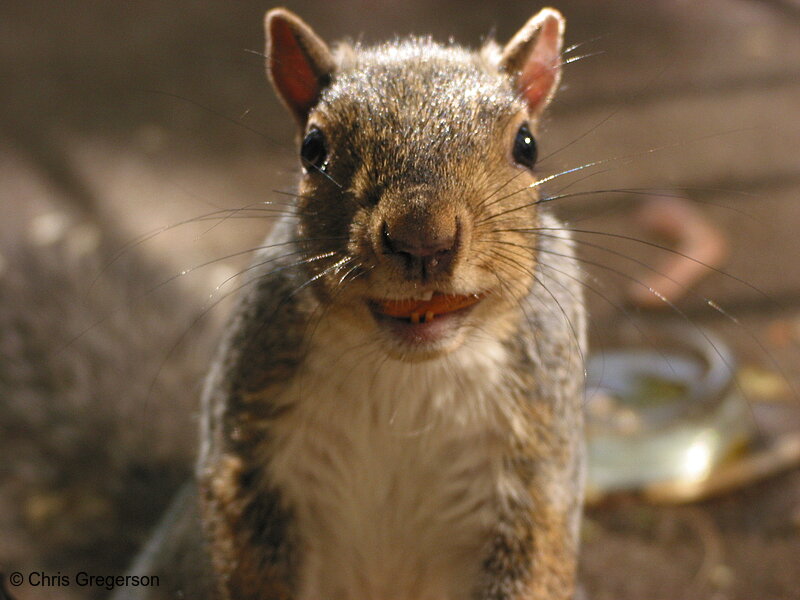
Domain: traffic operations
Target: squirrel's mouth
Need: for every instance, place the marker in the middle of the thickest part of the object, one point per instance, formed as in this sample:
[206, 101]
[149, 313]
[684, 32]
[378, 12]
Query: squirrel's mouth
[424, 325]
[416, 311]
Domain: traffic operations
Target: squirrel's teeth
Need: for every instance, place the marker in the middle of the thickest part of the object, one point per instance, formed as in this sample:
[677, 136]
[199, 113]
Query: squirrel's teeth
[415, 318]
[429, 316]
[426, 296]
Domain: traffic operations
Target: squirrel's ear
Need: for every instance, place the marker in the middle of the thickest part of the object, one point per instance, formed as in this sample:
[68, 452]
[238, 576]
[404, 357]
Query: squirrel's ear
[299, 63]
[533, 58]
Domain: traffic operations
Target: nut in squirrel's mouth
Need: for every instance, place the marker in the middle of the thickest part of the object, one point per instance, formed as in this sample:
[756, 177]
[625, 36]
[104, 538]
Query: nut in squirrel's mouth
[424, 311]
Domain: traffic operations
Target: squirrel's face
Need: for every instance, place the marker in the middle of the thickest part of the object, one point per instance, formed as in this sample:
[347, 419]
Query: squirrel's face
[419, 191]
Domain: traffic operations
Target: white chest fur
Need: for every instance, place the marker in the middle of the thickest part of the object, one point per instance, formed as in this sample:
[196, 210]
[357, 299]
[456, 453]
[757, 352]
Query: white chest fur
[392, 469]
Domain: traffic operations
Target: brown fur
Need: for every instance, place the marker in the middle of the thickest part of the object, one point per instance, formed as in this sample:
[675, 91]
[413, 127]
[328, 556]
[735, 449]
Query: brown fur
[418, 139]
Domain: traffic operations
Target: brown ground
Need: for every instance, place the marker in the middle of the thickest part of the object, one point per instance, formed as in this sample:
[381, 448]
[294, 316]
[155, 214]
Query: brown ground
[129, 111]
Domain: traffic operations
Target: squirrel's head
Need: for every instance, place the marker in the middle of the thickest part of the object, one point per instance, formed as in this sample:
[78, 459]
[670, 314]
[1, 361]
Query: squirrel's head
[419, 183]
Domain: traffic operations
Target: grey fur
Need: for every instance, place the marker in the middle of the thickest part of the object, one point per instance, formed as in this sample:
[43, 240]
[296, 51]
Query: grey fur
[413, 128]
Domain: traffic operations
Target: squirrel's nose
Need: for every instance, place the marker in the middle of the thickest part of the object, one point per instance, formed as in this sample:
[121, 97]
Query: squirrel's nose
[424, 251]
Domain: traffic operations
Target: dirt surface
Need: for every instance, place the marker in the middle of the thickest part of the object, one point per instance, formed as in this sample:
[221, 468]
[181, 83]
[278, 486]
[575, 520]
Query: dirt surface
[136, 116]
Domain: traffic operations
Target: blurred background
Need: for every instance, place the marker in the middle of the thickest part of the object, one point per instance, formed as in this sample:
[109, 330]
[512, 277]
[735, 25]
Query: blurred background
[119, 119]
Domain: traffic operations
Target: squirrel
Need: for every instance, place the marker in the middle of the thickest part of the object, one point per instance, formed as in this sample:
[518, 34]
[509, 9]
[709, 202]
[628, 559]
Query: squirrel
[395, 409]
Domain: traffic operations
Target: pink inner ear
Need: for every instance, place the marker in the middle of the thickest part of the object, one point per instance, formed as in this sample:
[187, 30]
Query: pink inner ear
[291, 70]
[540, 73]
[535, 83]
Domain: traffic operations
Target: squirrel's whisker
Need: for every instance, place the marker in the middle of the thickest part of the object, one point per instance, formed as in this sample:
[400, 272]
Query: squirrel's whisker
[514, 263]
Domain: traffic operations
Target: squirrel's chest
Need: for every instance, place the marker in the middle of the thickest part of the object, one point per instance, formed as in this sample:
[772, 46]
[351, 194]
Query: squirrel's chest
[392, 472]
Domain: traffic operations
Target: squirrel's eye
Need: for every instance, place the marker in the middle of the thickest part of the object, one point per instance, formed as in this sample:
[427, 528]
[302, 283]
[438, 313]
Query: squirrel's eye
[314, 150]
[525, 147]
